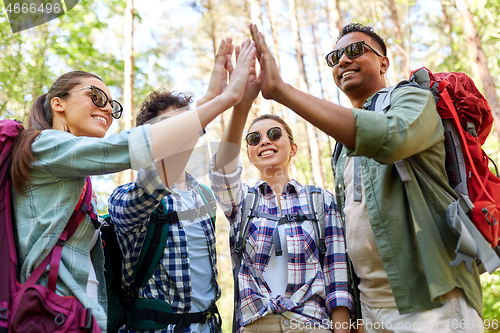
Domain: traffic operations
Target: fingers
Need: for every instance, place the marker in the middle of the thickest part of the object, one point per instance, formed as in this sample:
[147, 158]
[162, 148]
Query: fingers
[258, 38]
[237, 51]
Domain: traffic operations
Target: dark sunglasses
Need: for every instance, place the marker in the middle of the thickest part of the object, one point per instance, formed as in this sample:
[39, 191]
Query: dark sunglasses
[274, 133]
[354, 50]
[100, 99]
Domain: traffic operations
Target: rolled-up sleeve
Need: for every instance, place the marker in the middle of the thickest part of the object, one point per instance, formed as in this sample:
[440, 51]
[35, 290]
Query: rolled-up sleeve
[409, 126]
[227, 188]
[140, 148]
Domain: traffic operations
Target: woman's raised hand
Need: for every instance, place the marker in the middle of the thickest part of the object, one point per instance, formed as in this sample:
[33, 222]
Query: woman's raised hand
[253, 83]
[245, 65]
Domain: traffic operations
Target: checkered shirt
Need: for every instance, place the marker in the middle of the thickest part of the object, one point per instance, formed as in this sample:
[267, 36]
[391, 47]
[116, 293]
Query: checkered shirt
[130, 206]
[312, 292]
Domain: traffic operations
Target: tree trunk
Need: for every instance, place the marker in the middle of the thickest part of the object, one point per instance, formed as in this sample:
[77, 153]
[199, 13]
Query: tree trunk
[448, 27]
[213, 36]
[320, 65]
[128, 95]
[276, 52]
[261, 106]
[479, 58]
[334, 19]
[304, 86]
[405, 59]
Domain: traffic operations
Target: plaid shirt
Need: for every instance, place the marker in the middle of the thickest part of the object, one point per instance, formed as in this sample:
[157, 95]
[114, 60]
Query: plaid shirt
[311, 293]
[130, 206]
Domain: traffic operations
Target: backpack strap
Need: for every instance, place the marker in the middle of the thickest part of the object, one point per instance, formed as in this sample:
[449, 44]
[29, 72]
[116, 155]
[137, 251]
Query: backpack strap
[153, 247]
[54, 257]
[250, 205]
[380, 103]
[316, 204]
[209, 199]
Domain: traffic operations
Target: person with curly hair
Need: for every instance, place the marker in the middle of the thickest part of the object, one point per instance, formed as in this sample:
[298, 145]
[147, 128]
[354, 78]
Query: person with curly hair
[186, 275]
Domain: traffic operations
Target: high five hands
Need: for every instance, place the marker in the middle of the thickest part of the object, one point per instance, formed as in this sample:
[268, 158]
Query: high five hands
[238, 75]
[269, 76]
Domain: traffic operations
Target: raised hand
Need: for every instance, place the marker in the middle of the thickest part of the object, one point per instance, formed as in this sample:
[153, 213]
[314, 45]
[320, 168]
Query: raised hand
[253, 84]
[270, 78]
[241, 72]
[221, 71]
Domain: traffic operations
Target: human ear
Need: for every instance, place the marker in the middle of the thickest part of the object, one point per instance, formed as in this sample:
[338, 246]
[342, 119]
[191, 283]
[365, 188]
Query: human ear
[384, 65]
[293, 151]
[57, 104]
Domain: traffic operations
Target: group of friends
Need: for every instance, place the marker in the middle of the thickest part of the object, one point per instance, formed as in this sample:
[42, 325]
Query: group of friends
[387, 246]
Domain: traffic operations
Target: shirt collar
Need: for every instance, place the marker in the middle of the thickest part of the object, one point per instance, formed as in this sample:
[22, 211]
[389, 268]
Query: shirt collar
[192, 183]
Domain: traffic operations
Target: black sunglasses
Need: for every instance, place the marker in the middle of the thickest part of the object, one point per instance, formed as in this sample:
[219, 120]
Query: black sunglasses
[274, 133]
[100, 99]
[353, 50]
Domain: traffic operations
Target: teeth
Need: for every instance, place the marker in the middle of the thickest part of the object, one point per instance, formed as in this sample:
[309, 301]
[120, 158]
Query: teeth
[267, 152]
[104, 120]
[347, 73]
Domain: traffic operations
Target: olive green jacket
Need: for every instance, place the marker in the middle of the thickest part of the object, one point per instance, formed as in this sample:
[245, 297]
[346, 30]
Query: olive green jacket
[408, 219]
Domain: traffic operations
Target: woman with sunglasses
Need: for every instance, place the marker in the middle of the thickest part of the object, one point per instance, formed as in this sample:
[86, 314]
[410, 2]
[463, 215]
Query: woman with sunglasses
[64, 143]
[291, 290]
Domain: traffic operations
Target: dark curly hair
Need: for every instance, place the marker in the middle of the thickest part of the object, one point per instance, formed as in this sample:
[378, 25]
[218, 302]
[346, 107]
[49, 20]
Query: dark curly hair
[358, 27]
[159, 101]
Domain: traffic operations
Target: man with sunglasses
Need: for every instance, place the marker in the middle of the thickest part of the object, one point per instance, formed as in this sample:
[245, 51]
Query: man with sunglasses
[396, 231]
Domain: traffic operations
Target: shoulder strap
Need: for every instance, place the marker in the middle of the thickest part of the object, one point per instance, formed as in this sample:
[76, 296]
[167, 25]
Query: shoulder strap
[380, 103]
[316, 204]
[209, 199]
[153, 247]
[54, 257]
[250, 205]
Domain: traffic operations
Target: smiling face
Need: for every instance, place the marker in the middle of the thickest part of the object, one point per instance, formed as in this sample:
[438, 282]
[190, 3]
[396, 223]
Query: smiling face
[360, 77]
[270, 156]
[76, 113]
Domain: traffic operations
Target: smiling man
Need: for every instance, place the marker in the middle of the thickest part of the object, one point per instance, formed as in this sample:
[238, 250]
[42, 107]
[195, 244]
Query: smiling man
[396, 232]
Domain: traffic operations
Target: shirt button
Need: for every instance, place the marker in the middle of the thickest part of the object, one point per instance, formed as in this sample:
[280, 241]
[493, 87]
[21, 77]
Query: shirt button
[186, 288]
[183, 256]
[180, 226]
[344, 155]
[286, 322]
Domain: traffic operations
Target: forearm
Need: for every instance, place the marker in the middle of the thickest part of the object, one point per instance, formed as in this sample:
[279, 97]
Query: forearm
[335, 120]
[170, 136]
[228, 153]
[340, 314]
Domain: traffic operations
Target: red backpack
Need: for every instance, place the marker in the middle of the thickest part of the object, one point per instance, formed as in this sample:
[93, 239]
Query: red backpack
[31, 307]
[467, 120]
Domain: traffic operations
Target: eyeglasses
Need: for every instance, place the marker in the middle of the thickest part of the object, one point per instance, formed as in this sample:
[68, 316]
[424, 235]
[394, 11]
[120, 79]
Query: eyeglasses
[354, 50]
[100, 99]
[274, 133]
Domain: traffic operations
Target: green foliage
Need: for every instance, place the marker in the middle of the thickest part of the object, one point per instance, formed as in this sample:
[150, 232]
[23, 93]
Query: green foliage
[491, 299]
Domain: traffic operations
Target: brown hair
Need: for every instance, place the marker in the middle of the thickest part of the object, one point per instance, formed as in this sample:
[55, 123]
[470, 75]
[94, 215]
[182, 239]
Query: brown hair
[279, 120]
[39, 119]
[159, 101]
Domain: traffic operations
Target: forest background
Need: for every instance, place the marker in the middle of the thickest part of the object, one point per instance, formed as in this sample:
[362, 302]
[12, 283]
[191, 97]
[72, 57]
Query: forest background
[144, 46]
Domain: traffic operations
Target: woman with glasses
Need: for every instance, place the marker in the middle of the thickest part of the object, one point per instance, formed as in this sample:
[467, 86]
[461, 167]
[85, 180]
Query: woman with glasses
[283, 282]
[63, 143]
